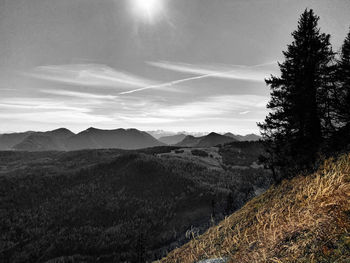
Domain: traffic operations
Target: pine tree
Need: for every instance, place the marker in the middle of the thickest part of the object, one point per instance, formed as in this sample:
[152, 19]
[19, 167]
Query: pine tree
[298, 119]
[340, 139]
[343, 75]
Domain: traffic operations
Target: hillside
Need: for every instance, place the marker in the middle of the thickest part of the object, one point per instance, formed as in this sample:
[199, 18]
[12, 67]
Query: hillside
[93, 138]
[45, 141]
[306, 219]
[7, 141]
[64, 140]
[172, 139]
[242, 138]
[210, 140]
[106, 205]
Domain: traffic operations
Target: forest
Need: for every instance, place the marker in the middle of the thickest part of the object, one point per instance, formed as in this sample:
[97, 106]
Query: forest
[116, 205]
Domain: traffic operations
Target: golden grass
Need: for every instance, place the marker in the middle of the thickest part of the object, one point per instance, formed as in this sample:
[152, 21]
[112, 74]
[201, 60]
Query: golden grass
[306, 219]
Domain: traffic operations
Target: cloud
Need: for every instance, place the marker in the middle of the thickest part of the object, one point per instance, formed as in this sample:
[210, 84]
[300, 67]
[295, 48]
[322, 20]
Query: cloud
[38, 104]
[147, 120]
[6, 89]
[250, 73]
[166, 84]
[95, 75]
[130, 111]
[216, 106]
[82, 95]
[255, 73]
[59, 117]
[51, 111]
[89, 75]
[100, 75]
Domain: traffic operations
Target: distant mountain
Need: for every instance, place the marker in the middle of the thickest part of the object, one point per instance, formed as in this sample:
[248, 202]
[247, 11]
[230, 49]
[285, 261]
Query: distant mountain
[65, 140]
[7, 141]
[213, 139]
[93, 138]
[171, 140]
[45, 141]
[248, 137]
[252, 137]
[160, 133]
[210, 140]
[189, 141]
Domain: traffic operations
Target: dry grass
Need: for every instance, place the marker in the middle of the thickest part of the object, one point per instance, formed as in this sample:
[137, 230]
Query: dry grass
[306, 219]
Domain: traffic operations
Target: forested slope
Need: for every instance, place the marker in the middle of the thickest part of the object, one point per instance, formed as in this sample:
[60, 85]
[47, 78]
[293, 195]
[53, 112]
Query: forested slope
[108, 205]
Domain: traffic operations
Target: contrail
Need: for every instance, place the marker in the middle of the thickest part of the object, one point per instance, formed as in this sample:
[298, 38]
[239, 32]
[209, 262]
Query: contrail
[167, 84]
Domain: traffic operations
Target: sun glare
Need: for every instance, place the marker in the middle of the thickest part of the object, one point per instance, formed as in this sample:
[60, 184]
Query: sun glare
[147, 9]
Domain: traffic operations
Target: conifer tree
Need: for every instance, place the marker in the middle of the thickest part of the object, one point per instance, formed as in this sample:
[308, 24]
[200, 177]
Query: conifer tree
[343, 70]
[294, 129]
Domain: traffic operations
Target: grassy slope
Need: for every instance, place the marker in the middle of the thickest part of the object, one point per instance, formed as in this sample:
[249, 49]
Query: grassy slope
[306, 219]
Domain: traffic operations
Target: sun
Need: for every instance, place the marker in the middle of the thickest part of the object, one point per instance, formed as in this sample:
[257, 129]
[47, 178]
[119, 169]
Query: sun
[147, 9]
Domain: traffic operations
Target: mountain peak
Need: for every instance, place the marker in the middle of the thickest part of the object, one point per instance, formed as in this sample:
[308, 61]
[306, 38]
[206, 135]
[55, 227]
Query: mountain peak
[210, 140]
[214, 134]
[93, 138]
[173, 139]
[91, 130]
[62, 131]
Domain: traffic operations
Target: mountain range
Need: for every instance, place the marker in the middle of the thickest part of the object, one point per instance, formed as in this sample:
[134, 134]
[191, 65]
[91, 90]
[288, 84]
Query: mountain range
[44, 141]
[7, 141]
[212, 139]
[191, 139]
[249, 137]
[64, 140]
[130, 139]
[93, 138]
[172, 139]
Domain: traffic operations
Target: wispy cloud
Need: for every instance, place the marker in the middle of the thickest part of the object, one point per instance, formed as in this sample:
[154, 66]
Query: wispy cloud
[94, 75]
[44, 110]
[6, 89]
[224, 106]
[130, 111]
[241, 72]
[58, 117]
[167, 84]
[89, 75]
[147, 120]
[38, 104]
[107, 107]
[82, 95]
[215, 106]
[256, 73]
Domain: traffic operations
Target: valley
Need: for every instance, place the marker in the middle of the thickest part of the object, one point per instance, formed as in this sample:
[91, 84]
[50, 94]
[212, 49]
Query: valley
[107, 205]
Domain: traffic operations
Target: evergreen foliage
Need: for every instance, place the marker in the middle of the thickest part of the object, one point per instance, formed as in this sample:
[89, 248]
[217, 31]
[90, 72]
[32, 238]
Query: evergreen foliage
[343, 77]
[300, 115]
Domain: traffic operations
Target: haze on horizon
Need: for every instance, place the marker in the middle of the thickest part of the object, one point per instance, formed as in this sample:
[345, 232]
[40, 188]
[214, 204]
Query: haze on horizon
[195, 65]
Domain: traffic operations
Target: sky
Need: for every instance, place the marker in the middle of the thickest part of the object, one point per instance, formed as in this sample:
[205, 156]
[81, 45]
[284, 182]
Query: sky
[175, 65]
